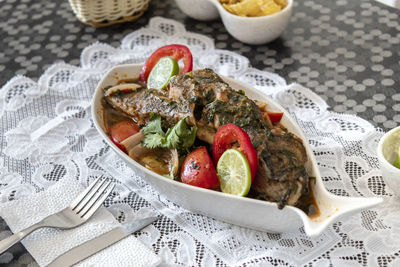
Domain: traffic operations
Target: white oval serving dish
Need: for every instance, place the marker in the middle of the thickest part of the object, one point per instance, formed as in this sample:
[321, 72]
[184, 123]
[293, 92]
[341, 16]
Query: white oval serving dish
[246, 212]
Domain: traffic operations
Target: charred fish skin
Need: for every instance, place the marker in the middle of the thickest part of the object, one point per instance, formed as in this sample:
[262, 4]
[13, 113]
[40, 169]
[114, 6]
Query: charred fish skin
[282, 156]
[197, 89]
[142, 103]
[214, 102]
[282, 176]
[209, 103]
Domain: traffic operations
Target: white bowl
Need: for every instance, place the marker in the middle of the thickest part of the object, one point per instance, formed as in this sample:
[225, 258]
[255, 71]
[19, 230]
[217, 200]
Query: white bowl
[198, 9]
[247, 212]
[250, 30]
[387, 152]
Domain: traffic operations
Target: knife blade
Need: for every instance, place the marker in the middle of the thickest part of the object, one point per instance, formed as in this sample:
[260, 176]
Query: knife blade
[99, 243]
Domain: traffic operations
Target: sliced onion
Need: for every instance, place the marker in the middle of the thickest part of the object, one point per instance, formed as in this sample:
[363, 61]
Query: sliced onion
[151, 159]
[174, 163]
[132, 141]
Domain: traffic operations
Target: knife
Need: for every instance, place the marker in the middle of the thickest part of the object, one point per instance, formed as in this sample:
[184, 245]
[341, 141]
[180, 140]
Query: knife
[99, 243]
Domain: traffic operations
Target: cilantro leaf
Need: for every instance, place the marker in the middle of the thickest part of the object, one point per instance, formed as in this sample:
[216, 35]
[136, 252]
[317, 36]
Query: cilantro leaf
[180, 136]
[153, 140]
[154, 126]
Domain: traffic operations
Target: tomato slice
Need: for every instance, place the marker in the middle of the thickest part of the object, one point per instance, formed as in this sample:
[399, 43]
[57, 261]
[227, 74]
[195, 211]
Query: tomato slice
[176, 51]
[275, 117]
[231, 136]
[198, 170]
[122, 130]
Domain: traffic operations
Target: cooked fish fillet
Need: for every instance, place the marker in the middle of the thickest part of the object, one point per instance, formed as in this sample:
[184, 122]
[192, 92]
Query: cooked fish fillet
[140, 103]
[208, 102]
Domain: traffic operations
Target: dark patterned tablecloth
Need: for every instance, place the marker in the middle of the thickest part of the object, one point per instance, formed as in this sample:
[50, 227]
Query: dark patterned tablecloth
[346, 51]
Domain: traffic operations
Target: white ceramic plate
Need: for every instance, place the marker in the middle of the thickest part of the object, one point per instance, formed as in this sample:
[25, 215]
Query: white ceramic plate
[247, 212]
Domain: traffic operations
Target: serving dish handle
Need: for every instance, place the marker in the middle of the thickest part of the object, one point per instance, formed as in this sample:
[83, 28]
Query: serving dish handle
[332, 207]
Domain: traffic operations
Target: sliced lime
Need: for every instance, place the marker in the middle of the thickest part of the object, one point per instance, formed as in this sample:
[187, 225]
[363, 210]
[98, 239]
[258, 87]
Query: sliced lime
[159, 76]
[234, 173]
[396, 162]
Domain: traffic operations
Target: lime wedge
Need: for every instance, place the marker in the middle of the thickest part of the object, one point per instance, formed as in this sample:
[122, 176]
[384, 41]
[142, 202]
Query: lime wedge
[396, 162]
[159, 76]
[234, 173]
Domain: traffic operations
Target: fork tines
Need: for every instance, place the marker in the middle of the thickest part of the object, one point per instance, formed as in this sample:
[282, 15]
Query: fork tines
[92, 198]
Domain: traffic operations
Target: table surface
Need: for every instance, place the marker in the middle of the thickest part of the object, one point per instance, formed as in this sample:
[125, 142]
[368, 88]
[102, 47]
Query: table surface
[348, 52]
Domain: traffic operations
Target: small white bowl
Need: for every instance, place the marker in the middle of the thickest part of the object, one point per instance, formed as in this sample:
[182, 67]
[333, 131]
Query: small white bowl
[250, 30]
[387, 153]
[198, 9]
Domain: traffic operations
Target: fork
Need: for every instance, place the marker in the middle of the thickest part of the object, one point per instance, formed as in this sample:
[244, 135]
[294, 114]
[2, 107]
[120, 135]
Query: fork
[80, 210]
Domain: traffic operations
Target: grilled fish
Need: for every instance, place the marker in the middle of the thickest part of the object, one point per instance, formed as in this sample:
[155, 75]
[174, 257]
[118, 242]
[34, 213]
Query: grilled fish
[208, 102]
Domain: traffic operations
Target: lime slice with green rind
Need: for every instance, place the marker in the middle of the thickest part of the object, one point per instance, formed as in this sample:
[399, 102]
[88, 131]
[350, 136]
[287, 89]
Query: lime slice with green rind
[159, 76]
[234, 173]
[396, 162]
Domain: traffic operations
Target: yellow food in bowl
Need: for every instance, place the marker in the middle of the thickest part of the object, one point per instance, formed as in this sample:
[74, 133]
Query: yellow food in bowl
[253, 8]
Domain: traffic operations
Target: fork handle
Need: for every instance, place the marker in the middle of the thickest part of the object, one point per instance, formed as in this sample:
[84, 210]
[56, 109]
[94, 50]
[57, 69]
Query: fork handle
[15, 238]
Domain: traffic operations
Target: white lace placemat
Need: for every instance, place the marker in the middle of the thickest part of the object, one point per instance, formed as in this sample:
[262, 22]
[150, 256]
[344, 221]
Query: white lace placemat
[46, 244]
[47, 133]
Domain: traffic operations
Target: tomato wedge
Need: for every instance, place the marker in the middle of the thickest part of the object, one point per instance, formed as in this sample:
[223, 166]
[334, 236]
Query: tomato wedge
[231, 136]
[176, 51]
[122, 130]
[275, 117]
[198, 170]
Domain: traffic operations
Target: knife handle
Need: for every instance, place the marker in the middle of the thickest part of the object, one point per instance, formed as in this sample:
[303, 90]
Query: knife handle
[15, 238]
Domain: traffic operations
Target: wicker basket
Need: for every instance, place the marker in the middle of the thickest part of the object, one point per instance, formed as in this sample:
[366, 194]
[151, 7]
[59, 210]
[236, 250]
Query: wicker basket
[100, 13]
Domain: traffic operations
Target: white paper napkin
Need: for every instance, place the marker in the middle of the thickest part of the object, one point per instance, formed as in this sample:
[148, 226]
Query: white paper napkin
[46, 244]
